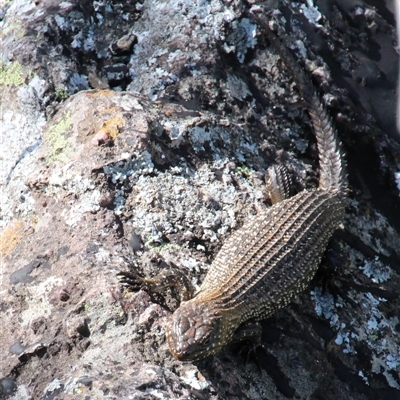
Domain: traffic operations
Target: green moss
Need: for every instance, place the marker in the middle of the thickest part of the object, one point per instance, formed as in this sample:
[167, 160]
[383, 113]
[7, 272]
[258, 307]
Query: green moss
[11, 74]
[15, 27]
[244, 171]
[61, 93]
[58, 141]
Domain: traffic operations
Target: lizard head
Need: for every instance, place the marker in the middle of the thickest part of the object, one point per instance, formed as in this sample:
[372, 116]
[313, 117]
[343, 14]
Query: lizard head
[194, 331]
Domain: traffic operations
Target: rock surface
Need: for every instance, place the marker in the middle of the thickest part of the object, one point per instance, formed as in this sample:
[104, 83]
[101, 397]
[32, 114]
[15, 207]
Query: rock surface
[135, 135]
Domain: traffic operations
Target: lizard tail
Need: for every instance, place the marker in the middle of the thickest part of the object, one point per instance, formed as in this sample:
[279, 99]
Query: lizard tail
[333, 176]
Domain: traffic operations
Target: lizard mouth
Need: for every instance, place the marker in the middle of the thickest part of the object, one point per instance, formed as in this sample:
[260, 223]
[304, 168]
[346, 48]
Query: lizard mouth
[191, 334]
[184, 348]
[187, 353]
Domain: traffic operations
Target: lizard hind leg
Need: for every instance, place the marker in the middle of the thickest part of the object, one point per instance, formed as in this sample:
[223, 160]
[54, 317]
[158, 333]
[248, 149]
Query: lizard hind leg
[279, 183]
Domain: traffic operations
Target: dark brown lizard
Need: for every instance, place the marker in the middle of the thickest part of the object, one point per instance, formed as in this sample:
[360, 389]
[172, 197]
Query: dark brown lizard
[275, 254]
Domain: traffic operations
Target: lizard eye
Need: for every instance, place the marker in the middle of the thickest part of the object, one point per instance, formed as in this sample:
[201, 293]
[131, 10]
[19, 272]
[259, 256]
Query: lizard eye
[207, 340]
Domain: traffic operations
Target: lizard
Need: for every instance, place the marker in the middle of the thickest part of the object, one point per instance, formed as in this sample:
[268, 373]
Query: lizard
[274, 255]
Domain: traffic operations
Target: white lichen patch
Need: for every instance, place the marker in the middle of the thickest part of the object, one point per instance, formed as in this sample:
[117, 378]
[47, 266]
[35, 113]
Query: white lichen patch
[103, 255]
[324, 305]
[38, 301]
[375, 270]
[77, 82]
[20, 137]
[388, 367]
[87, 202]
[242, 38]
[397, 180]
[61, 22]
[22, 393]
[176, 131]
[131, 167]
[134, 165]
[199, 136]
[20, 7]
[184, 202]
[311, 12]
[202, 138]
[77, 191]
[373, 229]
[190, 263]
[53, 385]
[17, 202]
[194, 21]
[393, 361]
[376, 332]
[195, 379]
[237, 87]
[364, 378]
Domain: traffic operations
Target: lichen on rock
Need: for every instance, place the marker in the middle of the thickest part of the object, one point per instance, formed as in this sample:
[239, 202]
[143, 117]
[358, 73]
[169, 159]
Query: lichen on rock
[165, 139]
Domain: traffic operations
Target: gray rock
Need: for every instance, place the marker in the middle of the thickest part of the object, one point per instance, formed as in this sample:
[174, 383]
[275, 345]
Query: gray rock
[180, 163]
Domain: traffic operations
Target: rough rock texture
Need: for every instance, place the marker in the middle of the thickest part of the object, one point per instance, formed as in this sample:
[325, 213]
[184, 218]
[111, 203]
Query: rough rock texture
[105, 179]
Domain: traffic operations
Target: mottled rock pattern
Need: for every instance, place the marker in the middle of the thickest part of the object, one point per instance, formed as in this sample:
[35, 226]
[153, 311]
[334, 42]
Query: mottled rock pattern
[179, 164]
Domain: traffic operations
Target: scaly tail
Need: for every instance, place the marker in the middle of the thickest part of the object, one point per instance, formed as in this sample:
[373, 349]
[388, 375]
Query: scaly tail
[333, 176]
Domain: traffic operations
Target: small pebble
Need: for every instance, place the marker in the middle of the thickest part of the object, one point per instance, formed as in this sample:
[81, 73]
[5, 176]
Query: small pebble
[101, 137]
[124, 45]
[188, 235]
[106, 200]
[38, 325]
